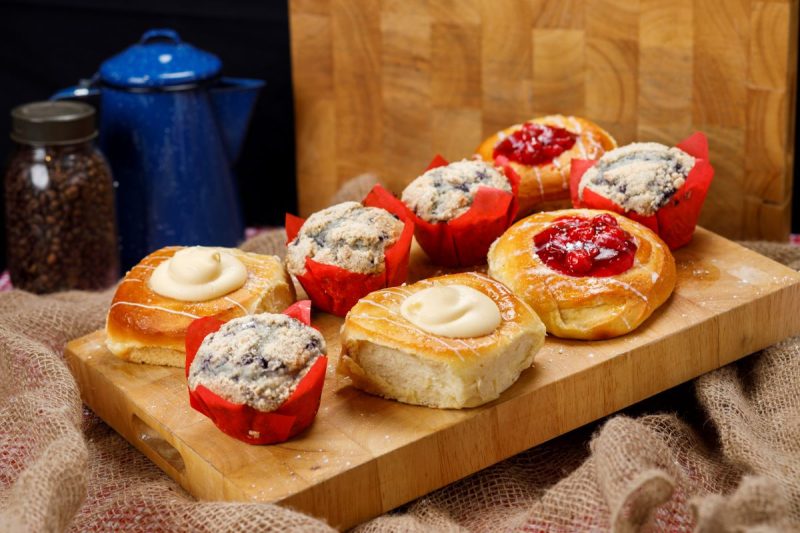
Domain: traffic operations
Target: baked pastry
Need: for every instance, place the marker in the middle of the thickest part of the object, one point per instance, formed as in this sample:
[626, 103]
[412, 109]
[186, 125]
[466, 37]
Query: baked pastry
[259, 377]
[447, 191]
[460, 208]
[451, 341]
[661, 187]
[348, 235]
[345, 251]
[588, 274]
[159, 298]
[540, 151]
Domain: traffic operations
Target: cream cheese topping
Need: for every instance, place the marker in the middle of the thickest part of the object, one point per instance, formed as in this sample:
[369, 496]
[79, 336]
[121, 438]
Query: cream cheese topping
[452, 311]
[198, 274]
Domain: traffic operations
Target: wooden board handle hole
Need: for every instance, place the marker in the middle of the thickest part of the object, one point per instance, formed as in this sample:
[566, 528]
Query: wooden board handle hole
[155, 442]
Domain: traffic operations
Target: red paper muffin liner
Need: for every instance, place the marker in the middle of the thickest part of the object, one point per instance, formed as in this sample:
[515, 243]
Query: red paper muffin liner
[675, 222]
[465, 240]
[246, 423]
[335, 289]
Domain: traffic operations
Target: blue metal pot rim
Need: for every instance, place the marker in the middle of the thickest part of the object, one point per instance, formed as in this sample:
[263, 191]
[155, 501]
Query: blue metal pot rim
[161, 89]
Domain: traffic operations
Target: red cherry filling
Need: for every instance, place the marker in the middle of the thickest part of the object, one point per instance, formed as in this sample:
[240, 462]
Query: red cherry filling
[535, 144]
[579, 246]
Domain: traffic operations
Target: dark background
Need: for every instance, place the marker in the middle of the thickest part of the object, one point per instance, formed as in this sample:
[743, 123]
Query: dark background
[46, 45]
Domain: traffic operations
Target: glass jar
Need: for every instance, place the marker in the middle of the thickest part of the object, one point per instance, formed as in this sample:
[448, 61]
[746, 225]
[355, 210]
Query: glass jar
[60, 223]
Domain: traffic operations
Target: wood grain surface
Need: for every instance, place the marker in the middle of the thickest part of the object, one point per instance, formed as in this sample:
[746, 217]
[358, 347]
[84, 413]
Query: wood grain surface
[365, 455]
[381, 86]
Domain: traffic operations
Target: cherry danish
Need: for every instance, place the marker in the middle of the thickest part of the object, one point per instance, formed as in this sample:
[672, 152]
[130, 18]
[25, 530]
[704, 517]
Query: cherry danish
[540, 151]
[535, 144]
[588, 274]
[579, 246]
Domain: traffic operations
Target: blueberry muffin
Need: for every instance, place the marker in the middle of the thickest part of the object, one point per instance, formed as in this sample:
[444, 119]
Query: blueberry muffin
[444, 193]
[256, 360]
[639, 177]
[347, 235]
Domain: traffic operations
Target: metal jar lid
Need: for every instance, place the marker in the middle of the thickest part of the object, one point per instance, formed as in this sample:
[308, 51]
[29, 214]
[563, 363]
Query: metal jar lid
[53, 122]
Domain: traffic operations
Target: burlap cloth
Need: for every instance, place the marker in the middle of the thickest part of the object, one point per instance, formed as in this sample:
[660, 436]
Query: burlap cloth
[721, 453]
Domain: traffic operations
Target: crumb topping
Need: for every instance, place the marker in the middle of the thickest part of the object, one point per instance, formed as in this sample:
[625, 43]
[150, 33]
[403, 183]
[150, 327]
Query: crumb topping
[256, 360]
[640, 177]
[347, 235]
[444, 193]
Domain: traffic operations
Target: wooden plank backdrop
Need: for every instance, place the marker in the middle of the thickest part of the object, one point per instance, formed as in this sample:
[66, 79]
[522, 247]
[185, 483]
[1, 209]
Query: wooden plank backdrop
[382, 85]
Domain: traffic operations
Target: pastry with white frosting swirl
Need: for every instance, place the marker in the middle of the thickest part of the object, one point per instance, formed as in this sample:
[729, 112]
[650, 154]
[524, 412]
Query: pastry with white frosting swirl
[198, 274]
[158, 298]
[454, 311]
[452, 341]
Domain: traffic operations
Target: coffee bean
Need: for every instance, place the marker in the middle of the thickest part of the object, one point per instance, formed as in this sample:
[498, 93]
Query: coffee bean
[60, 223]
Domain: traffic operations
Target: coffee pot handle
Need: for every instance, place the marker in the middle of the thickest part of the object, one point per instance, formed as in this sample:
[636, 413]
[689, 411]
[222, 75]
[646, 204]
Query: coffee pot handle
[160, 34]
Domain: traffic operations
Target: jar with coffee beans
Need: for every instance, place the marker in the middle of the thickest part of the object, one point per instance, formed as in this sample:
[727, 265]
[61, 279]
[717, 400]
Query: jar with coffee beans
[60, 223]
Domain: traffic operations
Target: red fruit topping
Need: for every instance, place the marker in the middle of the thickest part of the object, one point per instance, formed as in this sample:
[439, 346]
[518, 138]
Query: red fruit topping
[579, 246]
[535, 144]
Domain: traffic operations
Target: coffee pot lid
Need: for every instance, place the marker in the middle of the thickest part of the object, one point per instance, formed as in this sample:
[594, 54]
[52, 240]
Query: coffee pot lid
[159, 60]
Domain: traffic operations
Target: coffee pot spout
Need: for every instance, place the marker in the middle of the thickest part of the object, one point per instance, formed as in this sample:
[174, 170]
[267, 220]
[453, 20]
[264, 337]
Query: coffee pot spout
[233, 100]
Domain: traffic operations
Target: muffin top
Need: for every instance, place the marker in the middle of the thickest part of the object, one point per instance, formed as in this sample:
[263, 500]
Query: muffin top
[446, 192]
[640, 177]
[347, 235]
[256, 360]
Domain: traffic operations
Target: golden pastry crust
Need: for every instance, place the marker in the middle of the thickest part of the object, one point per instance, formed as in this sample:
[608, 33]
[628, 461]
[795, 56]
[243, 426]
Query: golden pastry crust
[584, 307]
[146, 327]
[385, 354]
[547, 183]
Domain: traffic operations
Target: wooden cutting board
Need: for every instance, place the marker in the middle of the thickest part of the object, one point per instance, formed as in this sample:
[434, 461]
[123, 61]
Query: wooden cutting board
[365, 455]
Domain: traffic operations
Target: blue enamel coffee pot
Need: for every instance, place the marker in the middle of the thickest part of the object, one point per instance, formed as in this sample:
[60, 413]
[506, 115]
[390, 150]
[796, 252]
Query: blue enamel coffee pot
[171, 128]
